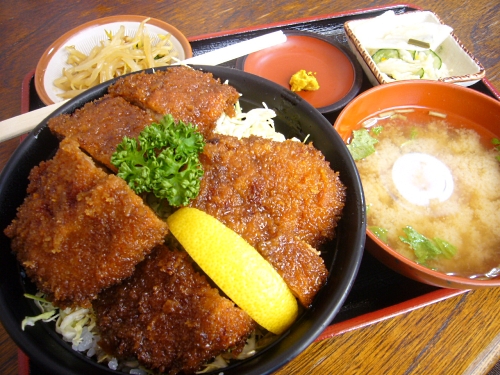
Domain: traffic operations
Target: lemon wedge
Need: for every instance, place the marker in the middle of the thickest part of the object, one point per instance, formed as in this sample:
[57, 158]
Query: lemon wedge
[236, 267]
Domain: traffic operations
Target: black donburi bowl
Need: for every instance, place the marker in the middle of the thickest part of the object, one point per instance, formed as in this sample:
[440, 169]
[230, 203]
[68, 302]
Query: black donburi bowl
[295, 117]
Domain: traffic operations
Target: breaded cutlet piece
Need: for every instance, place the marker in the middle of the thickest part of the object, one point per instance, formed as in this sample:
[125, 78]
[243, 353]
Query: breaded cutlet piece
[168, 316]
[274, 194]
[99, 126]
[187, 94]
[80, 230]
[298, 263]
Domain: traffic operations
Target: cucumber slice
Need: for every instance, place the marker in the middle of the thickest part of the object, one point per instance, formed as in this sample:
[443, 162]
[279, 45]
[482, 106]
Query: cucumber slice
[384, 54]
[436, 60]
[420, 72]
[407, 55]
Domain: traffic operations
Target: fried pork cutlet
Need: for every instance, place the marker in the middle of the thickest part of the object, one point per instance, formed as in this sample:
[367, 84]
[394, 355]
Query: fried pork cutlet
[298, 263]
[187, 94]
[80, 230]
[101, 125]
[283, 198]
[168, 316]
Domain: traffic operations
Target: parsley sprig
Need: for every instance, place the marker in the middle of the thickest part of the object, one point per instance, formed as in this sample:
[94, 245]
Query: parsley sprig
[163, 160]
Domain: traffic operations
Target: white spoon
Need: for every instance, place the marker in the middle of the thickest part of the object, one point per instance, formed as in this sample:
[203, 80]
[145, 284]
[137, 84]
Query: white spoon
[22, 124]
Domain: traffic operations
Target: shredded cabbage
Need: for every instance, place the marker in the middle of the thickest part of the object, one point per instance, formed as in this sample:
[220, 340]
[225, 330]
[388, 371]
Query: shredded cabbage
[71, 322]
[31, 320]
[257, 121]
[222, 360]
[76, 326]
[48, 311]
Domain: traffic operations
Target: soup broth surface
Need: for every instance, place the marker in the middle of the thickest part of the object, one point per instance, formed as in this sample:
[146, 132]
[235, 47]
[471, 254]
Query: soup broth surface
[432, 173]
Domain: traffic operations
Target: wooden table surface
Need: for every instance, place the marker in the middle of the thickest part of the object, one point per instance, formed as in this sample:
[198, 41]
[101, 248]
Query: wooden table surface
[460, 335]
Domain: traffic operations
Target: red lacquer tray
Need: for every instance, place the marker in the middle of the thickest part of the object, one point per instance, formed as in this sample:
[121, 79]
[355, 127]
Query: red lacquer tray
[378, 292]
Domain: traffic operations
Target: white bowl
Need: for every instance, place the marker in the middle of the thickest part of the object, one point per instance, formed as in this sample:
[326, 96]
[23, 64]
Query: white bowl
[88, 35]
[464, 68]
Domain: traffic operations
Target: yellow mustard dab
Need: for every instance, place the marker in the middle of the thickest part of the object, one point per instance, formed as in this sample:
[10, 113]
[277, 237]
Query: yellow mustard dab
[303, 80]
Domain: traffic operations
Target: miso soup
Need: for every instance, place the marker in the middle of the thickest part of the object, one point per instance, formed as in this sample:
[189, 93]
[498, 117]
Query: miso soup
[434, 179]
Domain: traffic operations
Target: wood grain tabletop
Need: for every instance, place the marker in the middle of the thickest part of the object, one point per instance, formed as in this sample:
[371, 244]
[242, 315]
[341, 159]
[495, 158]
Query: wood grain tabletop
[458, 335]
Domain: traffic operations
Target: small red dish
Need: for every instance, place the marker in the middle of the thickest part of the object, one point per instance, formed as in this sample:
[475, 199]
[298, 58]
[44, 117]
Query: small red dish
[338, 74]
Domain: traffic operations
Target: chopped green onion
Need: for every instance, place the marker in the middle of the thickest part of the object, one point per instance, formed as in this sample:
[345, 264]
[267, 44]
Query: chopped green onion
[447, 249]
[414, 133]
[381, 233]
[377, 130]
[361, 145]
[426, 249]
[496, 142]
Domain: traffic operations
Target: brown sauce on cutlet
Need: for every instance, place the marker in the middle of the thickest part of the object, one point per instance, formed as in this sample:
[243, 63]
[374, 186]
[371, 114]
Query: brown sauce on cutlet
[80, 230]
[298, 264]
[187, 94]
[263, 188]
[99, 126]
[265, 191]
[169, 317]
